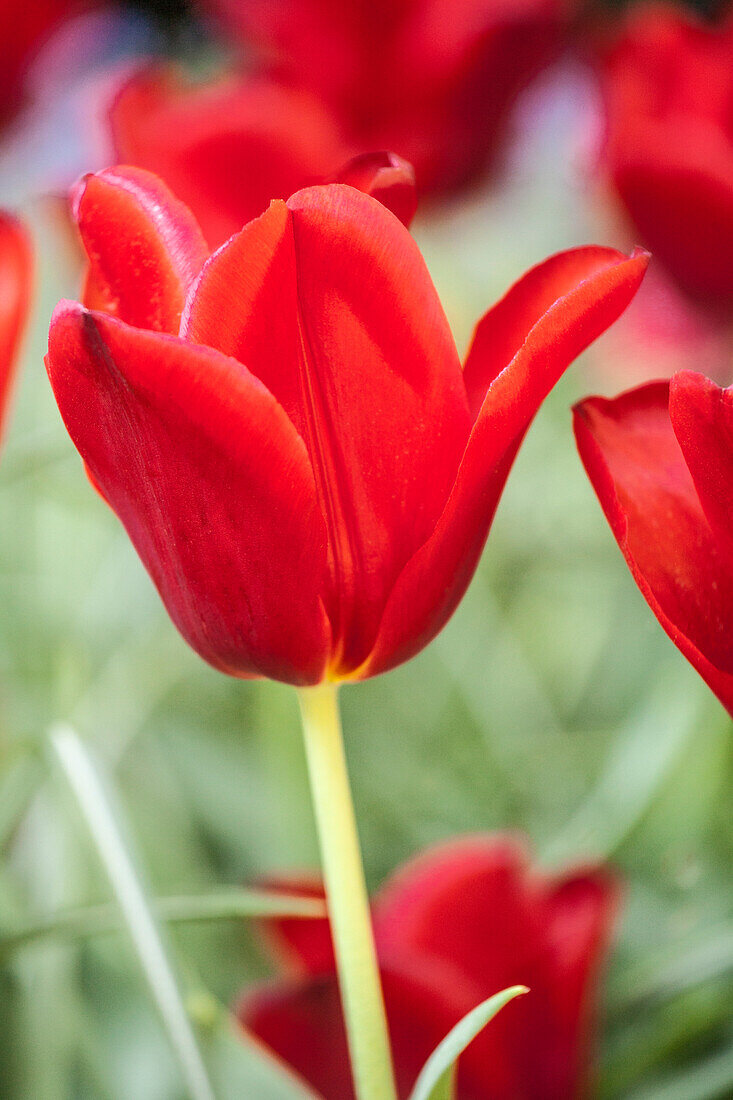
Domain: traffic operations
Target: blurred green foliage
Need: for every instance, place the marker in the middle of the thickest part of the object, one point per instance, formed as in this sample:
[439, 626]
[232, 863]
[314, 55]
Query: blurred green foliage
[552, 703]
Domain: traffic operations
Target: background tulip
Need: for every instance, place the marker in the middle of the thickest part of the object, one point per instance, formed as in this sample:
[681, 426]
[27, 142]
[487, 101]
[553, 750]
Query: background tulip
[319, 511]
[227, 148]
[15, 294]
[434, 80]
[668, 87]
[659, 458]
[454, 925]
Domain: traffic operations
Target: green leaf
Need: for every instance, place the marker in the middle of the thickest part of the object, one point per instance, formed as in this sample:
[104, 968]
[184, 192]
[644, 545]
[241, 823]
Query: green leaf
[437, 1079]
[228, 904]
[105, 834]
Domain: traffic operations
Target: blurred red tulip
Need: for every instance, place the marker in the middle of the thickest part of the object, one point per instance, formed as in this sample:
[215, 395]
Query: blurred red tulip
[16, 265]
[669, 93]
[227, 148]
[660, 458]
[435, 80]
[24, 30]
[284, 427]
[454, 926]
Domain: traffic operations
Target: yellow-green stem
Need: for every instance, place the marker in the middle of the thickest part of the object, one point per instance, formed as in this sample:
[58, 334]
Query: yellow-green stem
[348, 904]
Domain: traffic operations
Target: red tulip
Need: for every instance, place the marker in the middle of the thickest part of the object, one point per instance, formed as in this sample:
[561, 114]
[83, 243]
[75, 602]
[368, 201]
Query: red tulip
[227, 148]
[284, 428]
[435, 80]
[24, 30]
[452, 927]
[15, 292]
[669, 89]
[660, 458]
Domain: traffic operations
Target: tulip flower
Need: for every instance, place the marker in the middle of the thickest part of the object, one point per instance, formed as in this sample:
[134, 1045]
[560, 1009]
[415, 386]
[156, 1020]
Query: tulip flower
[668, 86]
[453, 926]
[660, 459]
[225, 148]
[285, 431]
[434, 80]
[15, 293]
[319, 474]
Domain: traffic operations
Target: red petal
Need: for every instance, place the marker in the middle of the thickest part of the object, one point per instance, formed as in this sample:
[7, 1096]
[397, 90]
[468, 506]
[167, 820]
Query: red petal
[212, 484]
[702, 419]
[542, 324]
[144, 247]
[578, 914]
[638, 471]
[677, 186]
[16, 273]
[386, 177]
[299, 946]
[226, 149]
[328, 301]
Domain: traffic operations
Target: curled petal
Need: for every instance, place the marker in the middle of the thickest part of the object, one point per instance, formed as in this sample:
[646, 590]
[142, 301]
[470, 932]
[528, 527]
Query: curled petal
[144, 247]
[638, 470]
[386, 177]
[542, 324]
[212, 484]
[16, 273]
[328, 301]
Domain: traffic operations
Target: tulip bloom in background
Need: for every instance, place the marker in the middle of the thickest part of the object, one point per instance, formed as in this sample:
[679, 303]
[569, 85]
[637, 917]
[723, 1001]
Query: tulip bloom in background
[434, 80]
[453, 926]
[660, 458]
[308, 475]
[668, 85]
[227, 148]
[15, 293]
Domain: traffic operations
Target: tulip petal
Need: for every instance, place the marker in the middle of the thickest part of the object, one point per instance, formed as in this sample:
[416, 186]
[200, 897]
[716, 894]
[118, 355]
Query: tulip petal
[702, 419]
[541, 325]
[638, 471]
[386, 177]
[144, 247]
[328, 301]
[676, 182]
[227, 148]
[578, 914]
[212, 484]
[299, 946]
[16, 273]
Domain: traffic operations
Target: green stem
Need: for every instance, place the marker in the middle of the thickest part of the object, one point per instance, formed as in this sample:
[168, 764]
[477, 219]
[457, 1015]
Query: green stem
[348, 903]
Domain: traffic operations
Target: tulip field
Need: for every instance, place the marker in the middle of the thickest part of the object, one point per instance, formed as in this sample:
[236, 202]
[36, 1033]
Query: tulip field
[366, 482]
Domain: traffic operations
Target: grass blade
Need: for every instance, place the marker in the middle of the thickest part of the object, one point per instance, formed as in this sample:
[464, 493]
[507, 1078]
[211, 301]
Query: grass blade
[437, 1078]
[92, 801]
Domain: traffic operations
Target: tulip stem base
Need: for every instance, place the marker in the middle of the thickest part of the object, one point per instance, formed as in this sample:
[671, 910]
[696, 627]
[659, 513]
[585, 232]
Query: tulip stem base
[348, 903]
